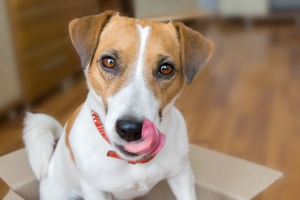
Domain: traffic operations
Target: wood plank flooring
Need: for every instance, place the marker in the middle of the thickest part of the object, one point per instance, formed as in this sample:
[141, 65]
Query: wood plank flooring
[245, 102]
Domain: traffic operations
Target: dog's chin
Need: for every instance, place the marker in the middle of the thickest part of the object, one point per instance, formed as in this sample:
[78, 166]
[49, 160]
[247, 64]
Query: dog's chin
[126, 154]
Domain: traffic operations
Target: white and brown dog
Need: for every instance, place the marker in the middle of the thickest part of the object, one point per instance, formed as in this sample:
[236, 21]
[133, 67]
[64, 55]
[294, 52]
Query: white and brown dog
[135, 71]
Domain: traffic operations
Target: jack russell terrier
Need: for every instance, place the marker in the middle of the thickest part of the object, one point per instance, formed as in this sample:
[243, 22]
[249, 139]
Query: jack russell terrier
[127, 136]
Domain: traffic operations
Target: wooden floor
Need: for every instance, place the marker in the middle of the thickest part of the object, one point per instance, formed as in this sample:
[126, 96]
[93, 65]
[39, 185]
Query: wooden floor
[245, 103]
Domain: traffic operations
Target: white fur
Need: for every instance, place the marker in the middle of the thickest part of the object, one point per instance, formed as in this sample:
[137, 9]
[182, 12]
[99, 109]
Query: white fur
[39, 135]
[135, 99]
[96, 176]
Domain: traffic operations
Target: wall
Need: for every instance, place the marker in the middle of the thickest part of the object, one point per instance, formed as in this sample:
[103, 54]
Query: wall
[243, 8]
[151, 8]
[225, 8]
[285, 4]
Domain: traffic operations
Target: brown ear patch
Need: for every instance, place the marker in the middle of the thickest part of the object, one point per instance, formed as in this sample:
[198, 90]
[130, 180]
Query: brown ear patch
[195, 50]
[84, 33]
[69, 126]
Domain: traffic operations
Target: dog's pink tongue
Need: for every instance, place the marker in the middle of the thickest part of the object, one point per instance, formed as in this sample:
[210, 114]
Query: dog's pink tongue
[151, 143]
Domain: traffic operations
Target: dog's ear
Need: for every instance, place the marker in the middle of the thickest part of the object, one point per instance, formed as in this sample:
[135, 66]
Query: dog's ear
[195, 50]
[85, 33]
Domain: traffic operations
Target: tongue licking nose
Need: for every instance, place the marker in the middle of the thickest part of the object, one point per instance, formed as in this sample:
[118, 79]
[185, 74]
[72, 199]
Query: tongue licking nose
[151, 143]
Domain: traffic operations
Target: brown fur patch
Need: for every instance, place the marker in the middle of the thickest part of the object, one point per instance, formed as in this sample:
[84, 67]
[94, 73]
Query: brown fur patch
[195, 50]
[120, 37]
[69, 126]
[84, 34]
[163, 43]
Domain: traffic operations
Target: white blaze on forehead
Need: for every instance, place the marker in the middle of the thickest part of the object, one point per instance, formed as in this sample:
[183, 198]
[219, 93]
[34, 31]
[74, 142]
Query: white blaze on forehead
[135, 100]
[144, 32]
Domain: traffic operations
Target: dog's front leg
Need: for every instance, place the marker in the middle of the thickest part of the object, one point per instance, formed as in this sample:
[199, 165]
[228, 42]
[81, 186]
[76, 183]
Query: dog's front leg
[182, 185]
[89, 193]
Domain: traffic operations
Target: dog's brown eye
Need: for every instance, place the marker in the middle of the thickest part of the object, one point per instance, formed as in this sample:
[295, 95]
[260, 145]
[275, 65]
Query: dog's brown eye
[108, 62]
[165, 69]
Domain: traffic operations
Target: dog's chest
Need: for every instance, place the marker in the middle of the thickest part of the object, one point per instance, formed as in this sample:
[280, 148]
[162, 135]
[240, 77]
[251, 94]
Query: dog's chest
[137, 181]
[133, 190]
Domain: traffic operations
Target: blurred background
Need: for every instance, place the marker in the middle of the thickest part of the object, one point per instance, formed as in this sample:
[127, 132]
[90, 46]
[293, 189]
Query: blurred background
[245, 102]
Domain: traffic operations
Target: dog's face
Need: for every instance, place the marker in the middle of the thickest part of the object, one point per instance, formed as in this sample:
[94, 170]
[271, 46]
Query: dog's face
[136, 67]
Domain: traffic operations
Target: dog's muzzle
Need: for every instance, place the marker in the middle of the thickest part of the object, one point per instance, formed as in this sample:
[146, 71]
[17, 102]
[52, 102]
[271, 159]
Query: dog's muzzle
[150, 143]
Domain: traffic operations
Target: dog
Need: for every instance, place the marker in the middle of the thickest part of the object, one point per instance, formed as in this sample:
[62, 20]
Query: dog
[127, 135]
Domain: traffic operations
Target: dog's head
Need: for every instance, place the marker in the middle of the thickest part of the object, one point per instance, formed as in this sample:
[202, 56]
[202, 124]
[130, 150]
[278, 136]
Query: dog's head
[136, 67]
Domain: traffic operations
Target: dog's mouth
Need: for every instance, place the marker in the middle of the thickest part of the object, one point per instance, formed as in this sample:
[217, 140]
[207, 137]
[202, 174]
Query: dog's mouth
[127, 153]
[151, 142]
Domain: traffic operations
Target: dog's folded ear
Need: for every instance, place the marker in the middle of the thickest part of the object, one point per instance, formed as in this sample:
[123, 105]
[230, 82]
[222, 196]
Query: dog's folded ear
[195, 50]
[85, 33]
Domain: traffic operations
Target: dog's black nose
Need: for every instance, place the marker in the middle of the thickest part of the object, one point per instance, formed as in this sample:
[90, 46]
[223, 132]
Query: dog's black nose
[129, 130]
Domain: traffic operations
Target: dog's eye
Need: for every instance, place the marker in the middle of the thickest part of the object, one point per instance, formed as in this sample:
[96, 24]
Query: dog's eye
[108, 62]
[165, 69]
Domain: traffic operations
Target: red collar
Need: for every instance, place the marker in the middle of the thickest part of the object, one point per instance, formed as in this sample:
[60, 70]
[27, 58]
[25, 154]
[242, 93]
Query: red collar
[113, 154]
